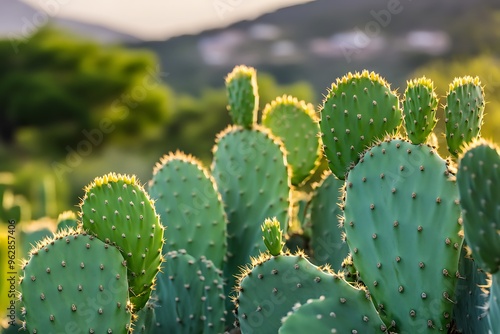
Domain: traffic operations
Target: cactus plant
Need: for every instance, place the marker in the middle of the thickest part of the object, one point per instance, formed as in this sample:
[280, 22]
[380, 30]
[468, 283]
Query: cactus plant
[189, 296]
[73, 282]
[359, 109]
[145, 320]
[190, 207]
[296, 124]
[117, 210]
[269, 289]
[243, 96]
[464, 112]
[478, 180]
[469, 313]
[253, 180]
[351, 313]
[419, 109]
[327, 242]
[400, 199]
[67, 219]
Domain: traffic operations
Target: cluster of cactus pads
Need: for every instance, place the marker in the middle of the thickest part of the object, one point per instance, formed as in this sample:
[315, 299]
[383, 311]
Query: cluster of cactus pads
[394, 237]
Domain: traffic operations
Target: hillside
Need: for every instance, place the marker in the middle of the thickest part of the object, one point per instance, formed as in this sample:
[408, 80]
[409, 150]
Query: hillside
[320, 40]
[19, 20]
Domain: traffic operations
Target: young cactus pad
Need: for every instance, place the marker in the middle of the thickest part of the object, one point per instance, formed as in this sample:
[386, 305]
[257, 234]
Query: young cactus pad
[359, 110]
[419, 109]
[333, 315]
[464, 113]
[327, 242]
[478, 181]
[190, 207]
[75, 282]
[117, 210]
[295, 122]
[402, 220]
[251, 175]
[271, 288]
[272, 236]
[243, 96]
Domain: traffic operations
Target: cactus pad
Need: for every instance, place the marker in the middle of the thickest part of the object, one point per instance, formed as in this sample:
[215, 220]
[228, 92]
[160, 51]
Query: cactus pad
[118, 211]
[269, 290]
[75, 282]
[327, 241]
[359, 110]
[352, 313]
[402, 220]
[463, 112]
[419, 109]
[253, 180]
[190, 207]
[478, 181]
[243, 96]
[190, 296]
[296, 124]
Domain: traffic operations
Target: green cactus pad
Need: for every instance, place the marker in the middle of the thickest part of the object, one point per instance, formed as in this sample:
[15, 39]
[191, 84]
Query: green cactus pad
[190, 296]
[493, 306]
[75, 282]
[243, 96]
[327, 242]
[469, 312]
[272, 236]
[145, 322]
[270, 289]
[31, 233]
[419, 109]
[478, 181]
[190, 207]
[463, 112]
[359, 110]
[118, 211]
[402, 220]
[253, 180]
[67, 219]
[296, 124]
[352, 313]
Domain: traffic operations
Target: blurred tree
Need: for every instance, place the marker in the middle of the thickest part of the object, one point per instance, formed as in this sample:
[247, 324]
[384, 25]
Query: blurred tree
[487, 68]
[68, 90]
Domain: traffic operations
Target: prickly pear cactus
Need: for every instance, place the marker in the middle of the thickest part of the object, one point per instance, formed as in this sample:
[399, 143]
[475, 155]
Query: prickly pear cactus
[274, 284]
[469, 313]
[67, 219]
[253, 180]
[296, 124]
[190, 207]
[478, 181]
[75, 282]
[464, 112]
[360, 109]
[327, 241]
[117, 210]
[272, 236]
[189, 296]
[419, 108]
[493, 306]
[243, 96]
[402, 220]
[351, 313]
[145, 322]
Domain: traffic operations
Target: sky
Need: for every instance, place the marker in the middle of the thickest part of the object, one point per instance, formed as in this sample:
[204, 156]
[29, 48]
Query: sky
[159, 19]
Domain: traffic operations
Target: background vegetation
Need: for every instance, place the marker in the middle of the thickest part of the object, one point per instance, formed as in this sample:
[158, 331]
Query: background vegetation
[72, 109]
